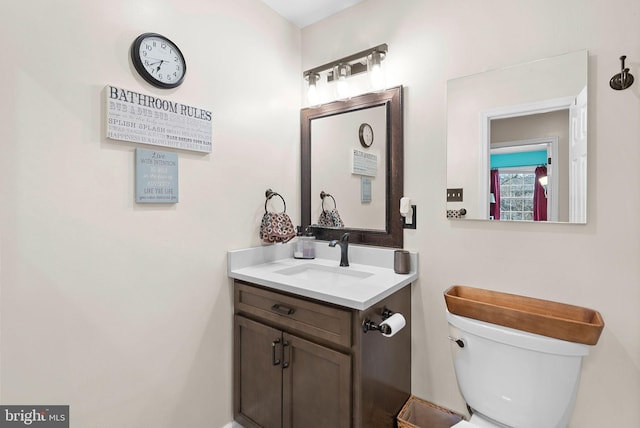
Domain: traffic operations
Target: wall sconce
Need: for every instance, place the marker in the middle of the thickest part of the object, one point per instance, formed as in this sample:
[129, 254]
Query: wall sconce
[340, 70]
[543, 182]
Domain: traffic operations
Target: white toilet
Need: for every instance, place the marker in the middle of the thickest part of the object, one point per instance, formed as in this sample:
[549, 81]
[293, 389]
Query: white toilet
[511, 378]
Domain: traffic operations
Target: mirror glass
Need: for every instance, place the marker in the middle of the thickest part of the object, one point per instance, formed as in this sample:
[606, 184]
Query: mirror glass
[352, 173]
[517, 142]
[352, 155]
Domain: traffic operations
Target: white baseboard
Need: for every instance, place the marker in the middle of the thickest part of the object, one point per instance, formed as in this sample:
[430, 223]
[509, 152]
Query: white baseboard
[232, 424]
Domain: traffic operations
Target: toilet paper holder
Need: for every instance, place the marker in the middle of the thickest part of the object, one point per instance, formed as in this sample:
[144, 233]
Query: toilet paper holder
[367, 324]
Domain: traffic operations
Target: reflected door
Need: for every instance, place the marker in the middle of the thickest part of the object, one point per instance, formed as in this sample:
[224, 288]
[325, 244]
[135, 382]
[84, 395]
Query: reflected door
[578, 160]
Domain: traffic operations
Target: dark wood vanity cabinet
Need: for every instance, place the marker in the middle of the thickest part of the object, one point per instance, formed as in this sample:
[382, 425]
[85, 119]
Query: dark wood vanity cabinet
[287, 381]
[301, 363]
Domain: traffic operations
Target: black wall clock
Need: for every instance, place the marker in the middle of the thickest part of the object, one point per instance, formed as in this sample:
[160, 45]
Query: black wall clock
[158, 60]
[366, 135]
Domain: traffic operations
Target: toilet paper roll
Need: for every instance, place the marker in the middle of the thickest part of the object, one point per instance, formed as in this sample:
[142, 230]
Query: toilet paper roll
[396, 322]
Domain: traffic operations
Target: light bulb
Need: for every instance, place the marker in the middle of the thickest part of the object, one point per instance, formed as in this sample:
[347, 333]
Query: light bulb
[340, 74]
[312, 94]
[342, 87]
[375, 69]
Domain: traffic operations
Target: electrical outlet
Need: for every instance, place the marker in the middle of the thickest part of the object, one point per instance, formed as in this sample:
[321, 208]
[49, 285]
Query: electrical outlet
[454, 195]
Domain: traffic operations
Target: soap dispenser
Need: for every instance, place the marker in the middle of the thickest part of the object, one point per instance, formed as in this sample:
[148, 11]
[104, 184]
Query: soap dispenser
[305, 245]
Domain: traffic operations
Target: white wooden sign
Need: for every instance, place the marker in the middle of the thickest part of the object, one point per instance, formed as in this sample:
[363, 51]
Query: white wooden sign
[140, 118]
[364, 163]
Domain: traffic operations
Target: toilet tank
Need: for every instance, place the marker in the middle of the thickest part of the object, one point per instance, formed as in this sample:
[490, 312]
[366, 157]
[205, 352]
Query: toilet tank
[516, 378]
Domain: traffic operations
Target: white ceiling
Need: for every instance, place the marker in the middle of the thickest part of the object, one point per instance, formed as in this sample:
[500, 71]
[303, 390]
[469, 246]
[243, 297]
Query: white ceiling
[306, 12]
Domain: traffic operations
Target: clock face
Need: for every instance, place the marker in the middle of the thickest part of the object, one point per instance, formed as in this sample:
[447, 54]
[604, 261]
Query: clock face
[158, 60]
[366, 135]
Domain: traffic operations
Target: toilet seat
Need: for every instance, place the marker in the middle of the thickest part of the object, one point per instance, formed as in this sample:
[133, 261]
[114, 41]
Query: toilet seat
[476, 422]
[464, 424]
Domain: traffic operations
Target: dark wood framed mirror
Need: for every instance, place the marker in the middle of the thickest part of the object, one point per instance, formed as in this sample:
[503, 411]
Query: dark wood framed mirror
[389, 143]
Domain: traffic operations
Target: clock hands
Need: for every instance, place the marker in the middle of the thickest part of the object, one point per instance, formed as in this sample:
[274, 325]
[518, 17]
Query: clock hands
[156, 61]
[159, 62]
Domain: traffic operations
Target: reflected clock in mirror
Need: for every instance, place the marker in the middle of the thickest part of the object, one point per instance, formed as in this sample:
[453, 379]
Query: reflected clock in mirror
[517, 141]
[363, 177]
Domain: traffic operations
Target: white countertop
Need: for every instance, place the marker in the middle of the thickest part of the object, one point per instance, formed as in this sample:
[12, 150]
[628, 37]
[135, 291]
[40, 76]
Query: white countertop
[263, 266]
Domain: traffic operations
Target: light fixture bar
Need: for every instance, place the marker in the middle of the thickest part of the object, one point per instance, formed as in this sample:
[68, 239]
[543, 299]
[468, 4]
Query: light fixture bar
[356, 66]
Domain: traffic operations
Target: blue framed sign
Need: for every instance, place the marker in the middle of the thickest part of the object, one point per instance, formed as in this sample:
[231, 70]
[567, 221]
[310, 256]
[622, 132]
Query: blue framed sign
[365, 190]
[156, 177]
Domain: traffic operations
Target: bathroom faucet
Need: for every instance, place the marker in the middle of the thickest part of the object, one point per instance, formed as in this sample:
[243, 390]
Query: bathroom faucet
[344, 248]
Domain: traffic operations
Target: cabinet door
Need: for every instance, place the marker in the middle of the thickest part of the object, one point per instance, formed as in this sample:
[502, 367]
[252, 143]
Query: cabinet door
[258, 374]
[316, 385]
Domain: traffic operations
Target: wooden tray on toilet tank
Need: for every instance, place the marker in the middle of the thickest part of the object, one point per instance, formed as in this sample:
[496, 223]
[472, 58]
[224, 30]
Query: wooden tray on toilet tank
[552, 319]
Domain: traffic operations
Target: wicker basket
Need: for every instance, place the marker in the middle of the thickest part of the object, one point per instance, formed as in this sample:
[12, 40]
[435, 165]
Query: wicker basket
[417, 413]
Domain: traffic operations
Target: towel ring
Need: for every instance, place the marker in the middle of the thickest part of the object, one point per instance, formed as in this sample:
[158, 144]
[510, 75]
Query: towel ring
[323, 195]
[270, 194]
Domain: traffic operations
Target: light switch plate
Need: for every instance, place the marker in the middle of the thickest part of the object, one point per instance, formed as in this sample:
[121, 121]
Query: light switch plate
[454, 195]
[414, 219]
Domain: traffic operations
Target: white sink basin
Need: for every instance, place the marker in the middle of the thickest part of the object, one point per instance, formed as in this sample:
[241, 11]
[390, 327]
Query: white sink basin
[368, 280]
[315, 272]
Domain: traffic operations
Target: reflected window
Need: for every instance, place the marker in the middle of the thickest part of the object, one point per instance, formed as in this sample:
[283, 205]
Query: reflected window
[516, 194]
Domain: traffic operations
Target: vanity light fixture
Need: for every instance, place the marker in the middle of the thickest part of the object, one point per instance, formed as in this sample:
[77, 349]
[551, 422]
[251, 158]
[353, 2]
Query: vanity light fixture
[340, 70]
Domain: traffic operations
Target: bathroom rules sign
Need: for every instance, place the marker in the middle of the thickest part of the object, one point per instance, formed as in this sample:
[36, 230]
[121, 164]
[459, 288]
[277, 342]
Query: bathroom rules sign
[140, 118]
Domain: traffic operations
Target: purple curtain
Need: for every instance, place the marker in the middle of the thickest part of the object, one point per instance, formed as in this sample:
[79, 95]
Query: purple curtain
[539, 198]
[494, 208]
